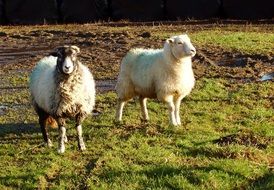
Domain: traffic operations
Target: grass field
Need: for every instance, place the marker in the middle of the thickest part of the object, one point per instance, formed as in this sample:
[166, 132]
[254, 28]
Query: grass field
[226, 140]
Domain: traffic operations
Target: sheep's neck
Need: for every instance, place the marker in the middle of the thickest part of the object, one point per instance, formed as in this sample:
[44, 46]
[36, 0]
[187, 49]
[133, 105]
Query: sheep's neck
[65, 84]
[183, 64]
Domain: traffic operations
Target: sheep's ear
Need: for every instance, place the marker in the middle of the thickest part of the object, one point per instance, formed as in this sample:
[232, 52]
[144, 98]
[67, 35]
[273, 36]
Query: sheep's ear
[54, 54]
[76, 49]
[170, 41]
[57, 52]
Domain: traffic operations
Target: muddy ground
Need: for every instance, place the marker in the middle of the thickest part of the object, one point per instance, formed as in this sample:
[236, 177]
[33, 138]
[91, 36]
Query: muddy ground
[103, 47]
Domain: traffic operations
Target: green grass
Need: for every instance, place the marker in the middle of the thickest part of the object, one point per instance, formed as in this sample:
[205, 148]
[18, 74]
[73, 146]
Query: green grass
[135, 155]
[252, 42]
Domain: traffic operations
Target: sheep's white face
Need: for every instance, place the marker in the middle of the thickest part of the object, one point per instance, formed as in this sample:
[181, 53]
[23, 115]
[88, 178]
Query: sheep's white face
[181, 46]
[67, 58]
[68, 65]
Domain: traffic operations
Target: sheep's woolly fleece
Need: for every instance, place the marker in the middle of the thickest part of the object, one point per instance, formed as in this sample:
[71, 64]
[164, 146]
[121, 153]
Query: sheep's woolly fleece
[154, 72]
[56, 95]
[165, 74]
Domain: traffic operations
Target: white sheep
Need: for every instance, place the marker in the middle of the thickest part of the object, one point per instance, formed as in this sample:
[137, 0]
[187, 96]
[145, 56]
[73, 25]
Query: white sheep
[62, 87]
[165, 74]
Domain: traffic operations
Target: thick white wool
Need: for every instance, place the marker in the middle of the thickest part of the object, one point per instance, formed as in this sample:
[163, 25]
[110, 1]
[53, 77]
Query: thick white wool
[165, 73]
[154, 73]
[77, 90]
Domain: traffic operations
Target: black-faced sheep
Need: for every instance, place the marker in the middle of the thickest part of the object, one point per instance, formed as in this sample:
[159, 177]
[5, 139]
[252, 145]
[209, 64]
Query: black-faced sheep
[62, 87]
[165, 74]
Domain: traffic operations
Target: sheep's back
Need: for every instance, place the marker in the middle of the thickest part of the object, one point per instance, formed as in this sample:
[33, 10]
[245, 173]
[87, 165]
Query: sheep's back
[149, 71]
[142, 57]
[141, 64]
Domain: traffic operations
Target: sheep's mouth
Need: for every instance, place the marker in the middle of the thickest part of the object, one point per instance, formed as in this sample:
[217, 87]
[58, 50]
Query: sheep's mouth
[67, 71]
[192, 54]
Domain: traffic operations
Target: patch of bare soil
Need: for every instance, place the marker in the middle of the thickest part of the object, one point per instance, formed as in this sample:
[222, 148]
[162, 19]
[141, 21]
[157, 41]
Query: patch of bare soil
[234, 66]
[246, 138]
[103, 49]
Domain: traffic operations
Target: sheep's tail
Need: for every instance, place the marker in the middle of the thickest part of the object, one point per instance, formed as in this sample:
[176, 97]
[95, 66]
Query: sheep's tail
[52, 122]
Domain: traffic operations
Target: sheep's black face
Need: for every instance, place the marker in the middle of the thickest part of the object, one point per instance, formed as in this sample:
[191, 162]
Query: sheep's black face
[67, 58]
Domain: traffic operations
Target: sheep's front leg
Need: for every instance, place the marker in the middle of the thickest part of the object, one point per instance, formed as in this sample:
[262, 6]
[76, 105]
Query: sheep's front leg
[177, 103]
[81, 144]
[62, 136]
[143, 103]
[119, 110]
[171, 109]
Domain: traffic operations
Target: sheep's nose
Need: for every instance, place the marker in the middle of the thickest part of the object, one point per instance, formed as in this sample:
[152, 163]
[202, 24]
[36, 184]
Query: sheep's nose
[192, 52]
[67, 67]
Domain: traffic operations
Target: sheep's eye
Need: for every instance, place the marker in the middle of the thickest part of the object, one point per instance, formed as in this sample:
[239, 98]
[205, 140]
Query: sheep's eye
[180, 43]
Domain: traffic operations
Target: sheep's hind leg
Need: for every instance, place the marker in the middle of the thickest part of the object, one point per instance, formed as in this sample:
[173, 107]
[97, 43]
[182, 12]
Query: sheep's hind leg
[62, 136]
[65, 139]
[43, 116]
[143, 103]
[81, 144]
[119, 110]
[43, 125]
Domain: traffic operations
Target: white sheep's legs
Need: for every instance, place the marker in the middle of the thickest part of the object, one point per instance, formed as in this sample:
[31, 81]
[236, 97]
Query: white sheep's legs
[65, 139]
[119, 110]
[177, 103]
[62, 136]
[171, 109]
[81, 143]
[143, 103]
[49, 143]
[79, 119]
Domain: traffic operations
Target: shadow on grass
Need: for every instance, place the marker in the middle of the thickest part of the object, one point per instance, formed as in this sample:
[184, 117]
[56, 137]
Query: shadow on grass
[18, 129]
[14, 133]
[264, 182]
[18, 181]
[32, 181]
[192, 174]
[161, 176]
